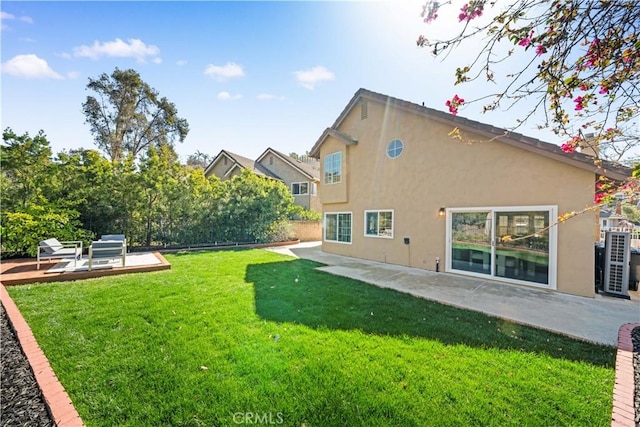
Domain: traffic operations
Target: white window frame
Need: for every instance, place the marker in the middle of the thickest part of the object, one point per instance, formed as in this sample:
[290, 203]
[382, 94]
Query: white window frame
[299, 184]
[396, 150]
[314, 188]
[378, 234]
[337, 214]
[332, 179]
[553, 243]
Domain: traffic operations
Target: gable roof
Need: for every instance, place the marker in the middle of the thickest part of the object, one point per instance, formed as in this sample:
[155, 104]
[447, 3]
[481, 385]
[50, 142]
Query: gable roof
[241, 162]
[310, 171]
[606, 168]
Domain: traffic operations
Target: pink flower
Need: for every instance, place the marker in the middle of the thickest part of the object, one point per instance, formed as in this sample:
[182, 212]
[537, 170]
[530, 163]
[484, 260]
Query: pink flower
[526, 41]
[454, 103]
[470, 11]
[540, 50]
[599, 198]
[430, 18]
[603, 90]
[571, 145]
[431, 11]
[580, 101]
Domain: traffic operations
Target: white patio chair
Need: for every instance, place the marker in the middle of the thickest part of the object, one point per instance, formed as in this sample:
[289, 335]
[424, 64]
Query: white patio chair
[55, 249]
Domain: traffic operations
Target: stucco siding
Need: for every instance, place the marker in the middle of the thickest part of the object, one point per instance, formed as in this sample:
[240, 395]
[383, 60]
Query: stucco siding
[220, 168]
[289, 175]
[437, 171]
[335, 192]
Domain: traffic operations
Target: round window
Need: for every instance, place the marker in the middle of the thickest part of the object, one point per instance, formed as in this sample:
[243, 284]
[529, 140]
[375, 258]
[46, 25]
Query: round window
[394, 148]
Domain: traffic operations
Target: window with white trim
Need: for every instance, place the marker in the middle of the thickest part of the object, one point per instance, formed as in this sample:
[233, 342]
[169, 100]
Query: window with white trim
[378, 223]
[333, 168]
[395, 148]
[510, 243]
[299, 188]
[314, 189]
[337, 227]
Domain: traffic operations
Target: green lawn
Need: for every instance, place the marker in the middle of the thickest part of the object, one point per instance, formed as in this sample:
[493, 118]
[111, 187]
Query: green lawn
[229, 338]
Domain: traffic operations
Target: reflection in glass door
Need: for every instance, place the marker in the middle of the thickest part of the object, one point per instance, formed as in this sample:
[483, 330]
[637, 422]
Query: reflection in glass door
[471, 238]
[522, 245]
[514, 243]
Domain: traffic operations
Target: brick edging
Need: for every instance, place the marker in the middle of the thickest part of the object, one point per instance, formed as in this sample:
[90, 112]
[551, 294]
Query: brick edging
[61, 408]
[623, 413]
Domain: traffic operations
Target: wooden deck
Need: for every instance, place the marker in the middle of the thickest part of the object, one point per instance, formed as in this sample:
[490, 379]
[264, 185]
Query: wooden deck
[23, 271]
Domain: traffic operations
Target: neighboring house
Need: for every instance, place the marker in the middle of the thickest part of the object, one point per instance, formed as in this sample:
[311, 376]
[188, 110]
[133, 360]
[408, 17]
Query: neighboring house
[397, 188]
[301, 178]
[613, 219]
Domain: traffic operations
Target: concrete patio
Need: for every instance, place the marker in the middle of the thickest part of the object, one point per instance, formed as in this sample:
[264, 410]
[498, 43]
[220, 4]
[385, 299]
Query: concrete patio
[593, 319]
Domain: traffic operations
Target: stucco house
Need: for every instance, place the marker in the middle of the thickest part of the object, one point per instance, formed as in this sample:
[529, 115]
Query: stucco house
[397, 188]
[300, 177]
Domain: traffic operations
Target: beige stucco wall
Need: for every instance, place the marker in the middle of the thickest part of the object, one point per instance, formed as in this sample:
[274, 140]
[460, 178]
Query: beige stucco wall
[436, 171]
[220, 168]
[307, 231]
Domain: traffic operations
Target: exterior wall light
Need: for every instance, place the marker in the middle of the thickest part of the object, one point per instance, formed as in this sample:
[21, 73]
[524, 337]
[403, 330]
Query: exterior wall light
[442, 211]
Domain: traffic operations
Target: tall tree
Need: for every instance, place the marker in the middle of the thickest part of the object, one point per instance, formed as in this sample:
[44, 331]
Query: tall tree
[33, 207]
[252, 208]
[27, 169]
[159, 175]
[128, 116]
[199, 160]
[578, 61]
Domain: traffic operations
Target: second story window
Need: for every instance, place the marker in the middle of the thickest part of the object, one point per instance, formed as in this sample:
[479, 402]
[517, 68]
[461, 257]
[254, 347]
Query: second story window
[394, 148]
[333, 168]
[300, 188]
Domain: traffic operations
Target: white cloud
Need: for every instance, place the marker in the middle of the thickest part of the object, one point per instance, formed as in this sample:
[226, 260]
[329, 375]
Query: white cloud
[226, 96]
[29, 67]
[310, 78]
[73, 74]
[181, 63]
[157, 60]
[4, 16]
[133, 48]
[227, 71]
[269, 97]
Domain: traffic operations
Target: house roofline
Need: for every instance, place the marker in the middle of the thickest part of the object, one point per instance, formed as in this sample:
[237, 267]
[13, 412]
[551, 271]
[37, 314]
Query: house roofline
[215, 160]
[233, 166]
[601, 167]
[341, 136]
[288, 160]
[243, 163]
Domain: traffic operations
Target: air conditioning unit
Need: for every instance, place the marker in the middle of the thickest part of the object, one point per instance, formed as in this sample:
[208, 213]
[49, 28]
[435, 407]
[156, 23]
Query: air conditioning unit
[616, 264]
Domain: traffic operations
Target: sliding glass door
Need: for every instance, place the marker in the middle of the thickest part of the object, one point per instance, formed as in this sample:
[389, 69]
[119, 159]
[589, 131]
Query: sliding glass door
[522, 246]
[471, 245]
[510, 243]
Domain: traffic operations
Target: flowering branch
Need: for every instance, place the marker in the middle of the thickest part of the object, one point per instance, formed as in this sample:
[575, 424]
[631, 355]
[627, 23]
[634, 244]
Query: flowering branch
[585, 62]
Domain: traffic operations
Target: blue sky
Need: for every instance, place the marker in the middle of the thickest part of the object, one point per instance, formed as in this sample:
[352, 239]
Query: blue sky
[245, 75]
